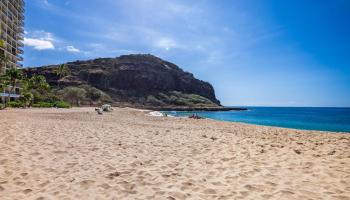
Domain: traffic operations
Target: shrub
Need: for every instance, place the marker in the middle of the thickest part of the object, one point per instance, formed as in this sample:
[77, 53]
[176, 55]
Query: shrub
[62, 104]
[196, 99]
[154, 101]
[95, 95]
[183, 99]
[43, 105]
[37, 96]
[181, 102]
[92, 93]
[163, 97]
[14, 104]
[50, 97]
[74, 95]
[58, 104]
[105, 98]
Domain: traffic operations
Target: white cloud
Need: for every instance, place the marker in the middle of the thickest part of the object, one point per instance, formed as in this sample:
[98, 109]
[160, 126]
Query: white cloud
[43, 40]
[166, 43]
[173, 28]
[72, 49]
[40, 40]
[178, 28]
[45, 2]
[42, 35]
[39, 44]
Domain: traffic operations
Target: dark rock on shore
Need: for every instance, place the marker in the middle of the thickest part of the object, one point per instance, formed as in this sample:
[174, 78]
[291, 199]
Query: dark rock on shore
[140, 80]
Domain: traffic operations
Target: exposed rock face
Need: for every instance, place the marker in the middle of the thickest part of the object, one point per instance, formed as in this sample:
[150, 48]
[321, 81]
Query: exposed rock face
[131, 78]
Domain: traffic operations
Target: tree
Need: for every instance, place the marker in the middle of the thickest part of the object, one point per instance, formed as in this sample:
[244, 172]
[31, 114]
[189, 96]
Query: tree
[62, 71]
[3, 59]
[36, 86]
[3, 79]
[26, 99]
[2, 42]
[4, 82]
[38, 82]
[14, 76]
[74, 95]
[92, 94]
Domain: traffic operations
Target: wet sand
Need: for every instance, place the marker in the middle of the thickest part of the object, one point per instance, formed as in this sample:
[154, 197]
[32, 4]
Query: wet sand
[127, 154]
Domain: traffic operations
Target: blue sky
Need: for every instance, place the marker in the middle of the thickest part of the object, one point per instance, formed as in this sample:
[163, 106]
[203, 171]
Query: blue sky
[263, 53]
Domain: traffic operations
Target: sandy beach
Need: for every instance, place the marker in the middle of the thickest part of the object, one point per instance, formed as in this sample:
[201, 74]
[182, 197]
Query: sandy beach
[128, 154]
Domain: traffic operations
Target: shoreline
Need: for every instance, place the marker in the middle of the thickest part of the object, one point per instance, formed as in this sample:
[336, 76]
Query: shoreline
[186, 117]
[199, 109]
[325, 129]
[149, 110]
[259, 125]
[128, 154]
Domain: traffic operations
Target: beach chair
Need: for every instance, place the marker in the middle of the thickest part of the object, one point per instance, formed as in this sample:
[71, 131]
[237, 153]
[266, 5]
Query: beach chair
[99, 111]
[106, 108]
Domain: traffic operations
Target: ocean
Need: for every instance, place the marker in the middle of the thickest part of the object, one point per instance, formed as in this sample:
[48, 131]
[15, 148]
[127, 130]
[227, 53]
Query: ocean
[305, 118]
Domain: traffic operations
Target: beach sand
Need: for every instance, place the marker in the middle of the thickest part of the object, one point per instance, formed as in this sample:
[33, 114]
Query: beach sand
[128, 154]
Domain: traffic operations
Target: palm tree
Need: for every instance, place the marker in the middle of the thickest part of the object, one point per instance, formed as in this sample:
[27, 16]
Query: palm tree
[38, 82]
[62, 71]
[14, 76]
[4, 82]
[26, 98]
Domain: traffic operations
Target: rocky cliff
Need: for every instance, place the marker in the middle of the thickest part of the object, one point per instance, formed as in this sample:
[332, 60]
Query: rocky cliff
[135, 79]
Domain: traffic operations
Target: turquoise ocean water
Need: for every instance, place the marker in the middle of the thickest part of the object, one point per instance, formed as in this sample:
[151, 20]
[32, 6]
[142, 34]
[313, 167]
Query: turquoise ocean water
[321, 119]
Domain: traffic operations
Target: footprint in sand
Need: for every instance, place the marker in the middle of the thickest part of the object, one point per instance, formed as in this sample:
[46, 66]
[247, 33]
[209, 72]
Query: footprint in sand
[26, 191]
[113, 175]
[24, 174]
[86, 184]
[286, 192]
[254, 188]
[4, 161]
[187, 183]
[20, 183]
[340, 197]
[9, 173]
[35, 154]
[177, 195]
[104, 186]
[60, 152]
[244, 194]
[271, 183]
[209, 191]
[266, 196]
[44, 184]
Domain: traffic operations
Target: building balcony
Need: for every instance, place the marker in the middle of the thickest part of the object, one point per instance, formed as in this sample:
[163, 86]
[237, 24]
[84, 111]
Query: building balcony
[20, 29]
[19, 58]
[20, 44]
[20, 37]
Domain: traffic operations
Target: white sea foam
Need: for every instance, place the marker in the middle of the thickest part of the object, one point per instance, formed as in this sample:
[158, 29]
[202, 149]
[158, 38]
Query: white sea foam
[159, 114]
[156, 114]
